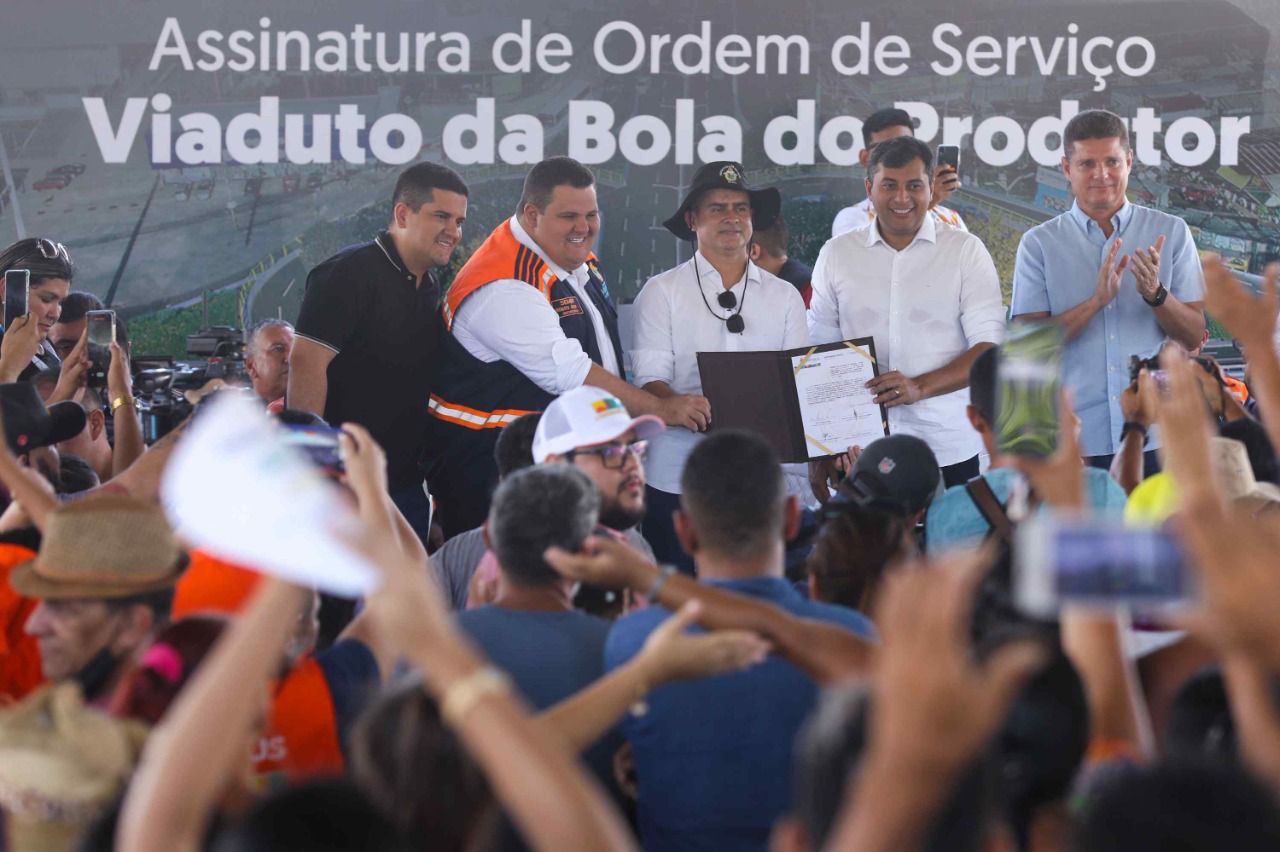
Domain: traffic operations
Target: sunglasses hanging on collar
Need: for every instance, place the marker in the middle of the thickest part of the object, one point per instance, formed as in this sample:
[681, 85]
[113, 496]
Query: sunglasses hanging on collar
[734, 322]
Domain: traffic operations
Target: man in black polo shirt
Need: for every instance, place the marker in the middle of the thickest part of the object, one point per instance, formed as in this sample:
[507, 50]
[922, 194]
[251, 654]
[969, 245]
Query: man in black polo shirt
[369, 328]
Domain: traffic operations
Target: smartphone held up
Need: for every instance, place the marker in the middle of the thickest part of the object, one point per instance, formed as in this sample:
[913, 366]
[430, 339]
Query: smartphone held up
[101, 331]
[17, 288]
[1028, 388]
[1098, 563]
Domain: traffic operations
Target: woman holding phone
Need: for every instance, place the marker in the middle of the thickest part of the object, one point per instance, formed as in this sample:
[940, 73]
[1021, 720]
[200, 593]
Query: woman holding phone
[25, 348]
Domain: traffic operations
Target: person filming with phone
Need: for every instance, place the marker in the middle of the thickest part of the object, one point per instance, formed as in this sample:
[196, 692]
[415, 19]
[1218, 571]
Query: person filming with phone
[928, 295]
[37, 278]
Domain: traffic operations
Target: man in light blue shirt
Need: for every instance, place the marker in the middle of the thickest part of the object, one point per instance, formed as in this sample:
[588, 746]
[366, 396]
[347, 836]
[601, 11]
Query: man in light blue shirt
[954, 519]
[1120, 278]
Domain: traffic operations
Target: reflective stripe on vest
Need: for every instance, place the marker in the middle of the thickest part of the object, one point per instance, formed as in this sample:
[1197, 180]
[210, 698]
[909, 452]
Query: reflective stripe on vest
[473, 418]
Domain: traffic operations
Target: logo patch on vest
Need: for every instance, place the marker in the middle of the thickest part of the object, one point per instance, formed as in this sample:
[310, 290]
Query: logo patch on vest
[567, 307]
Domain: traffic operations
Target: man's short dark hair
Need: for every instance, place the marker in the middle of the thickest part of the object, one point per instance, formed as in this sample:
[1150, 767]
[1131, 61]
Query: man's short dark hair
[543, 178]
[76, 474]
[982, 384]
[1094, 124]
[883, 119]
[773, 240]
[733, 493]
[160, 602]
[535, 508]
[77, 304]
[514, 450]
[416, 184]
[898, 152]
[1219, 806]
[828, 751]
[287, 819]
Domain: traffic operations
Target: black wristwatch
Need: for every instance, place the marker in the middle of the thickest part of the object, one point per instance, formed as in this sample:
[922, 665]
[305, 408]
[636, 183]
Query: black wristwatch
[1158, 299]
[1131, 426]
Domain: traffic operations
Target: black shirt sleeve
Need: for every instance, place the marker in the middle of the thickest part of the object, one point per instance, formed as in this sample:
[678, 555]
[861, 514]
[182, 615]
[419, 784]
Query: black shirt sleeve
[332, 309]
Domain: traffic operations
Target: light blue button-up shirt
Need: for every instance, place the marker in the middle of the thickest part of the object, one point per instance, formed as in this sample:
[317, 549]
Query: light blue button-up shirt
[1057, 269]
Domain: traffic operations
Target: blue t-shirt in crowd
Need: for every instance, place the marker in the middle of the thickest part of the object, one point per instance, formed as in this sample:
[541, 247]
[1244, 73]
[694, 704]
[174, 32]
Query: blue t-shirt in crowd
[351, 673]
[955, 521]
[549, 656]
[713, 756]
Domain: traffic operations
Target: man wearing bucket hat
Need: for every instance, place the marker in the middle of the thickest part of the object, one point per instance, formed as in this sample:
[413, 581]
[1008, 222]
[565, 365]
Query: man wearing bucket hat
[527, 318]
[104, 577]
[717, 301]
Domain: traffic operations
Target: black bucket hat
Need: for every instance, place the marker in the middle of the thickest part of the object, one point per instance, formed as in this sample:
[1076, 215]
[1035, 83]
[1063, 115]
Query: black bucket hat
[766, 203]
[28, 424]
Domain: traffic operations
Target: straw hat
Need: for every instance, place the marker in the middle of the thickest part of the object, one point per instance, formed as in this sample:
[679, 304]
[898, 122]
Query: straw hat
[102, 547]
[61, 765]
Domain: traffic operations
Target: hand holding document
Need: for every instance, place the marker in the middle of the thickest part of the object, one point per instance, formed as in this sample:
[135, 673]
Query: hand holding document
[808, 403]
[837, 409]
[235, 489]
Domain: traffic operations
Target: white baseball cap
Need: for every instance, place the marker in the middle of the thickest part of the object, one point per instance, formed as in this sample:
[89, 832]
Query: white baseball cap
[584, 416]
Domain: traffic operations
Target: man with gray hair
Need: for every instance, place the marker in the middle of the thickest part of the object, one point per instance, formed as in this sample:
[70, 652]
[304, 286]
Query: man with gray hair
[531, 630]
[267, 348]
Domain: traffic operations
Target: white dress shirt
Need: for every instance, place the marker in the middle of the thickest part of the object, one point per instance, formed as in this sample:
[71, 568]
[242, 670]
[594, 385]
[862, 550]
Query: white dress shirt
[924, 305]
[510, 321]
[863, 213]
[673, 324]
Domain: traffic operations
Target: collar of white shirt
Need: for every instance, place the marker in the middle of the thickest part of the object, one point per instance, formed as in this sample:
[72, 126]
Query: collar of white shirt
[522, 236]
[928, 233]
[710, 278]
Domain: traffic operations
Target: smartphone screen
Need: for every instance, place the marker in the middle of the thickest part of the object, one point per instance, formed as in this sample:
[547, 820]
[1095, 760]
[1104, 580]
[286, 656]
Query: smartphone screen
[101, 334]
[320, 444]
[1099, 563]
[1028, 384]
[17, 283]
[949, 155]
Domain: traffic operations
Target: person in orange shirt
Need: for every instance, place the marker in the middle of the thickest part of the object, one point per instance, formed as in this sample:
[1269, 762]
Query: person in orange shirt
[318, 694]
[20, 669]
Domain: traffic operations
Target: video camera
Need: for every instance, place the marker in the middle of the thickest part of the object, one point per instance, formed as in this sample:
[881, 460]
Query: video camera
[161, 384]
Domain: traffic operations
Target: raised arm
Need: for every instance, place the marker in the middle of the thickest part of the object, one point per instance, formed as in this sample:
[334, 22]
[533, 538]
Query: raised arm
[668, 654]
[918, 742]
[1093, 641]
[825, 652]
[129, 445]
[535, 777]
[203, 739]
[1252, 321]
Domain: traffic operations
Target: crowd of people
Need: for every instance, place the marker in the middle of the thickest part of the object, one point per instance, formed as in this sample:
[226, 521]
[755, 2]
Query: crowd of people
[602, 618]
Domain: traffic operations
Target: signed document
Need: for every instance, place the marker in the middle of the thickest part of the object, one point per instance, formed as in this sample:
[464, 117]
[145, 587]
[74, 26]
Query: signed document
[837, 410]
[808, 403]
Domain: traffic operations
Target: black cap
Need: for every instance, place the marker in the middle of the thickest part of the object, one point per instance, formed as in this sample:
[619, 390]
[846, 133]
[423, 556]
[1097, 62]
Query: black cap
[28, 424]
[899, 470]
[766, 203]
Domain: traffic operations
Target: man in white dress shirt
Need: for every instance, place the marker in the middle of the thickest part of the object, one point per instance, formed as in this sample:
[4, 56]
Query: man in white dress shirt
[717, 301]
[891, 123]
[928, 295]
[527, 318]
